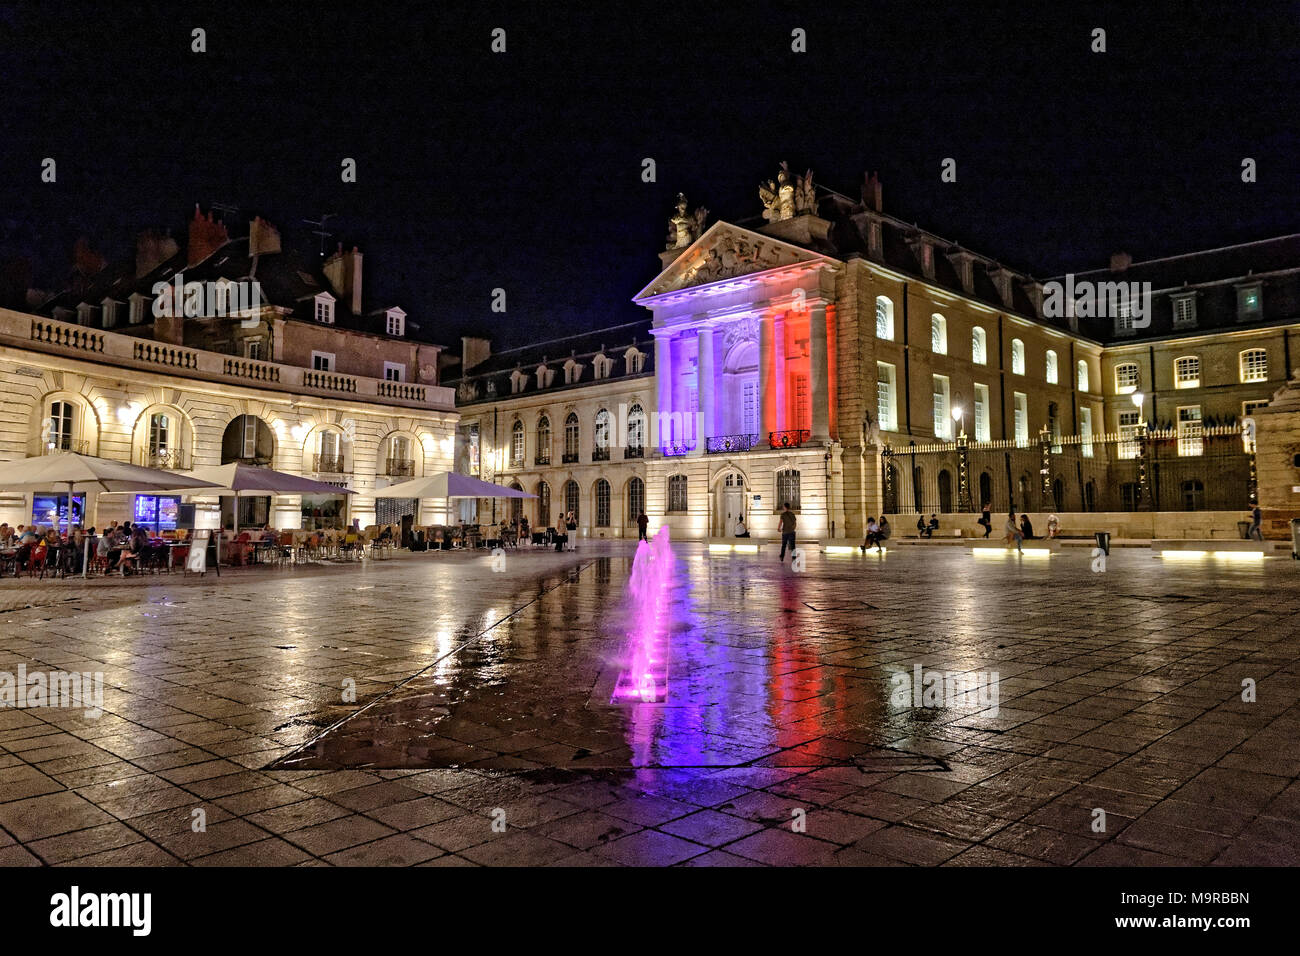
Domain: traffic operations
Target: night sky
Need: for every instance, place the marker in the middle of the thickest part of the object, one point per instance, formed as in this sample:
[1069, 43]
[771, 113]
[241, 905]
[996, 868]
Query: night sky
[523, 170]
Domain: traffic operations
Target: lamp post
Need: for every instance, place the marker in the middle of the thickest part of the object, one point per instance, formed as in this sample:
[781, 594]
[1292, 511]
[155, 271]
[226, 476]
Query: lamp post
[1144, 482]
[963, 464]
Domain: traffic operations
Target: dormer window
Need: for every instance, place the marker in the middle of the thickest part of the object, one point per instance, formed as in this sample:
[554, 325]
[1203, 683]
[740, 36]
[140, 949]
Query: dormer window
[138, 301]
[324, 309]
[518, 381]
[544, 376]
[601, 366]
[572, 372]
[1184, 307]
[395, 322]
[1249, 302]
[85, 314]
[109, 313]
[634, 360]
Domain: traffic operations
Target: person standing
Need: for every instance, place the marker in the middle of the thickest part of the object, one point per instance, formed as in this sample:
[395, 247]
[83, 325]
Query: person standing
[788, 523]
[571, 526]
[986, 519]
[642, 523]
[1256, 523]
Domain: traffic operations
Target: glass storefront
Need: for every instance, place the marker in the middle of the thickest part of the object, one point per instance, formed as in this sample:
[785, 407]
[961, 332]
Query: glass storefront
[157, 512]
[324, 512]
[49, 507]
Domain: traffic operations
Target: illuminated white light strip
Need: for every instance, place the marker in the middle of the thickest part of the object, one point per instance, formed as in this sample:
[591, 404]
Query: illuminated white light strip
[715, 548]
[1027, 552]
[1224, 555]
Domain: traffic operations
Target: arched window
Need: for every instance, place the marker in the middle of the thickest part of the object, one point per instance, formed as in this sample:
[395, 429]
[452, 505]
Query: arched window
[1081, 374]
[1187, 372]
[1049, 369]
[517, 444]
[884, 318]
[601, 450]
[635, 498]
[635, 432]
[677, 493]
[1017, 357]
[938, 334]
[1126, 378]
[543, 504]
[247, 439]
[979, 346]
[787, 488]
[945, 491]
[571, 434]
[516, 505]
[602, 503]
[571, 498]
[543, 441]
[1254, 365]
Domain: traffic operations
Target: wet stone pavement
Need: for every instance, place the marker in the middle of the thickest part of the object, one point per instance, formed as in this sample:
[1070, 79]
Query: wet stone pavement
[1085, 718]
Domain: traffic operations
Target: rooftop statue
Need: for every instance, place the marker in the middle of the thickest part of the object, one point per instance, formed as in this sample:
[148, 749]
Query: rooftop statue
[789, 196]
[685, 227]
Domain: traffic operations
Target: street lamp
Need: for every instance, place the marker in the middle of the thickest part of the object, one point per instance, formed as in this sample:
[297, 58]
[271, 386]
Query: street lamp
[963, 463]
[959, 415]
[1143, 480]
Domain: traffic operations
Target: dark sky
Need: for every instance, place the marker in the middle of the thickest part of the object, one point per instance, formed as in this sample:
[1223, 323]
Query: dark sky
[523, 170]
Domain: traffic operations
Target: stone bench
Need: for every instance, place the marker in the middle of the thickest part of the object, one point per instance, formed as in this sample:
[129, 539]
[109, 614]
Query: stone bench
[995, 543]
[739, 545]
[1215, 544]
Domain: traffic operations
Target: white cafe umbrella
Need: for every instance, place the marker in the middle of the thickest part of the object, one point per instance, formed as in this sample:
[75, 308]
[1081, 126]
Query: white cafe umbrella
[249, 481]
[447, 485]
[87, 473]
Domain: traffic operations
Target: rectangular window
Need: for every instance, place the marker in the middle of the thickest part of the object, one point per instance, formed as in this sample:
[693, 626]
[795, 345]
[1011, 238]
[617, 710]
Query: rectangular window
[942, 417]
[1085, 432]
[1254, 365]
[1190, 442]
[1050, 368]
[1187, 372]
[1248, 303]
[1022, 419]
[749, 396]
[396, 324]
[250, 436]
[1185, 312]
[1126, 378]
[322, 361]
[802, 405]
[60, 435]
[982, 430]
[159, 431]
[253, 349]
[394, 372]
[886, 406]
[1128, 429]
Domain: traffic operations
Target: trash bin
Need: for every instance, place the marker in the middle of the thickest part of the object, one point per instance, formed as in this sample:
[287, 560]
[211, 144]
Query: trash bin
[1103, 541]
[1244, 528]
[1295, 537]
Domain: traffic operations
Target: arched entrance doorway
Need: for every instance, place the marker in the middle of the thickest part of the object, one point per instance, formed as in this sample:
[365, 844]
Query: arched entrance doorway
[731, 504]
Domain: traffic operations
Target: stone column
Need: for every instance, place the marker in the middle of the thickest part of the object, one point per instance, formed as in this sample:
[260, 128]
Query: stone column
[820, 375]
[663, 388]
[766, 387]
[704, 370]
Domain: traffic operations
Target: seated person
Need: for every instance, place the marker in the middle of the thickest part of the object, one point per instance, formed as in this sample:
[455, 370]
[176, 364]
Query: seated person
[1026, 528]
[28, 535]
[883, 530]
[1053, 526]
[922, 530]
[741, 530]
[933, 526]
[6, 534]
[872, 538]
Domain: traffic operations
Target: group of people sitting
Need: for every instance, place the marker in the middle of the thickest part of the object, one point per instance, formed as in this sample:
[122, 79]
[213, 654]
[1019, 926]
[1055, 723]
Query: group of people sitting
[877, 533]
[120, 548]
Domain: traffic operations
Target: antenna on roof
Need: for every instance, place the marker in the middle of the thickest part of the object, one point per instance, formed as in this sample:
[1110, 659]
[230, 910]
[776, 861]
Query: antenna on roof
[225, 208]
[320, 229]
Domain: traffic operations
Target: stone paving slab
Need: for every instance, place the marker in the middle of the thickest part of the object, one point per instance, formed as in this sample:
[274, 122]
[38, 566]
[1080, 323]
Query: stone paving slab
[477, 735]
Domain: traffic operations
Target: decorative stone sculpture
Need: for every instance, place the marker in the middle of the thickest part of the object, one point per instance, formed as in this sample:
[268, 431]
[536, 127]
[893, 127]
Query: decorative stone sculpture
[788, 196]
[685, 227]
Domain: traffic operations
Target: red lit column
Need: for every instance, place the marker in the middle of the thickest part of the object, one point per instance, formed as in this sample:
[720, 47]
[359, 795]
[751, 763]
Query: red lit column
[820, 373]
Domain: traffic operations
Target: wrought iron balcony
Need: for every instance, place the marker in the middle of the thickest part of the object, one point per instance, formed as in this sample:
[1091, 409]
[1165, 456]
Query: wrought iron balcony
[677, 448]
[569, 458]
[600, 454]
[728, 444]
[793, 438]
[259, 461]
[59, 445]
[330, 465]
[167, 459]
[400, 468]
[542, 459]
[634, 451]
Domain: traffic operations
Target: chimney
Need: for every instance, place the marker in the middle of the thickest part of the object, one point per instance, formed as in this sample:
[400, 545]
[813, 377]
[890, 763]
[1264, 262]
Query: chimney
[352, 268]
[152, 249]
[333, 270]
[1120, 261]
[205, 238]
[871, 192]
[473, 352]
[343, 271]
[263, 238]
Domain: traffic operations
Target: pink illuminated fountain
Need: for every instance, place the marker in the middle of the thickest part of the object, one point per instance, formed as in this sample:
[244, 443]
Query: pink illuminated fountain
[644, 676]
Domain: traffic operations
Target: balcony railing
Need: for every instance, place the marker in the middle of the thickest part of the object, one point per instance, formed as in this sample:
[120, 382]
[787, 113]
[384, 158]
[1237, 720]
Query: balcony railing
[729, 444]
[167, 459]
[258, 461]
[569, 458]
[400, 468]
[675, 449]
[330, 465]
[66, 444]
[600, 454]
[635, 451]
[793, 438]
[542, 459]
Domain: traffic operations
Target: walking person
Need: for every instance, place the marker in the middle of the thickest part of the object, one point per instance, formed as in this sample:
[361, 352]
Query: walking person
[1013, 532]
[642, 523]
[1256, 521]
[788, 522]
[986, 519]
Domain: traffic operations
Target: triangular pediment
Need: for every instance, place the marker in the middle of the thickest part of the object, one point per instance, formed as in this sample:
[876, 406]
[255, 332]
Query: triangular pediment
[726, 252]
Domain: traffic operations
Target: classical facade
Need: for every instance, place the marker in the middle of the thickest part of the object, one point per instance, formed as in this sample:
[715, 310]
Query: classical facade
[301, 380]
[841, 359]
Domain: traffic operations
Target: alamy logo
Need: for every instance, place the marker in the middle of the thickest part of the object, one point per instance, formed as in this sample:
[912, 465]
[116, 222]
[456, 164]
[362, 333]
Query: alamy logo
[73, 909]
[55, 689]
[931, 688]
[181, 299]
[1086, 299]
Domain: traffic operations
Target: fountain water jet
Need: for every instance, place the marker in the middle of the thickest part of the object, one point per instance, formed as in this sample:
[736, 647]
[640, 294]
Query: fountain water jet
[644, 677]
